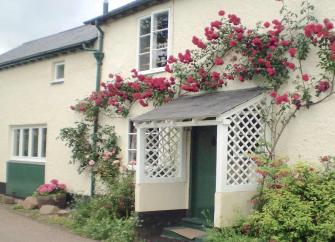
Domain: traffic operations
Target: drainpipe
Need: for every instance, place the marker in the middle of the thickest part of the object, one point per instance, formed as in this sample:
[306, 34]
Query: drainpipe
[99, 56]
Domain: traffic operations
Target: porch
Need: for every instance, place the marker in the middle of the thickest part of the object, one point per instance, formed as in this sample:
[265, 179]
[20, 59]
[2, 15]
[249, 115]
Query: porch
[193, 155]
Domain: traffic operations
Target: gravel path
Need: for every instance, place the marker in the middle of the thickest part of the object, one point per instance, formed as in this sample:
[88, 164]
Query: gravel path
[18, 228]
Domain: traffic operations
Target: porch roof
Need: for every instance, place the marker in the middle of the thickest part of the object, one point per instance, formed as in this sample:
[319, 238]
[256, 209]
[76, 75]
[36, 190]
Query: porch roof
[200, 106]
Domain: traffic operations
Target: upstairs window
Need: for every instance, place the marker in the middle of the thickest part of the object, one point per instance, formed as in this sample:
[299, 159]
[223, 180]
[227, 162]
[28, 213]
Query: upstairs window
[59, 72]
[29, 143]
[153, 41]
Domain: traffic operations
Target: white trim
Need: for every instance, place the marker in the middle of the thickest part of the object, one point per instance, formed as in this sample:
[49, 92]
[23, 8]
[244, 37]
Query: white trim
[221, 157]
[129, 166]
[239, 108]
[179, 124]
[151, 69]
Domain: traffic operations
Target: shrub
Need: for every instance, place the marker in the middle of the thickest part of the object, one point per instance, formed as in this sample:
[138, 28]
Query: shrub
[107, 217]
[229, 235]
[294, 203]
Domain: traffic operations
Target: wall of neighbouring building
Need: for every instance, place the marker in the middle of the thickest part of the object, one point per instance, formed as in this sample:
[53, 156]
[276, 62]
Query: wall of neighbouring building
[28, 98]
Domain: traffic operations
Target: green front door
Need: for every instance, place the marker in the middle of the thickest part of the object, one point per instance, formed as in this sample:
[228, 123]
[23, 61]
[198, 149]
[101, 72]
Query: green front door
[203, 172]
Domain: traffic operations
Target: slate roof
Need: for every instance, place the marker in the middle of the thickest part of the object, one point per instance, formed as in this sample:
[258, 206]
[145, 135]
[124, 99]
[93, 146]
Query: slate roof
[125, 10]
[200, 106]
[72, 38]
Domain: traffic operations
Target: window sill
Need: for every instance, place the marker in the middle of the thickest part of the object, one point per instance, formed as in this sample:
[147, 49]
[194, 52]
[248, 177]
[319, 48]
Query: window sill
[59, 81]
[152, 71]
[28, 160]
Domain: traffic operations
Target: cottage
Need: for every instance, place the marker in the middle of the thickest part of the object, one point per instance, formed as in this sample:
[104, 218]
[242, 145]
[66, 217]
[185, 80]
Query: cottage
[190, 153]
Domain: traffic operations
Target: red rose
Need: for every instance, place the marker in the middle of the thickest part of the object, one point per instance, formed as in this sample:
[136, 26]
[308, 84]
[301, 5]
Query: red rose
[292, 51]
[222, 13]
[305, 77]
[218, 61]
[232, 43]
[266, 24]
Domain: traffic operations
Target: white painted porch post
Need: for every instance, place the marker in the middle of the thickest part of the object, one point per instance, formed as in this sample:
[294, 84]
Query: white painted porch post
[221, 156]
[140, 155]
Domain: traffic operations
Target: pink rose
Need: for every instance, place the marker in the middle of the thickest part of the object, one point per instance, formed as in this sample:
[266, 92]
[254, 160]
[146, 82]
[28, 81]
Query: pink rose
[91, 162]
[62, 186]
[54, 181]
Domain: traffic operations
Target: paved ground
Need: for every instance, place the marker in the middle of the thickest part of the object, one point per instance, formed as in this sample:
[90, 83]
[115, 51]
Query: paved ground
[17, 228]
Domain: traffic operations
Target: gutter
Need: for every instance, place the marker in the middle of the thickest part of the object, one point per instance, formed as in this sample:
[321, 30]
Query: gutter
[44, 54]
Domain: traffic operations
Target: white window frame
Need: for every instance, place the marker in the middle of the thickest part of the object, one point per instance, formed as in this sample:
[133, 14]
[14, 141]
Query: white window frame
[169, 46]
[28, 158]
[128, 149]
[55, 79]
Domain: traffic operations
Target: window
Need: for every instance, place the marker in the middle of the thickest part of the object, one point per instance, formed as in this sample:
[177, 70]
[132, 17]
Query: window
[29, 143]
[59, 72]
[131, 144]
[153, 41]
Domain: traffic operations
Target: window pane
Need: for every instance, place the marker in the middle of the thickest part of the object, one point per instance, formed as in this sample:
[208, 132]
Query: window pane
[44, 142]
[160, 39]
[132, 141]
[145, 26]
[159, 58]
[161, 21]
[16, 142]
[145, 44]
[34, 145]
[25, 149]
[60, 68]
[132, 128]
[144, 62]
[132, 155]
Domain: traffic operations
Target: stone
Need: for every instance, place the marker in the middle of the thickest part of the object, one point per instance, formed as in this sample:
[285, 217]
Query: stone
[8, 200]
[30, 203]
[48, 210]
[63, 213]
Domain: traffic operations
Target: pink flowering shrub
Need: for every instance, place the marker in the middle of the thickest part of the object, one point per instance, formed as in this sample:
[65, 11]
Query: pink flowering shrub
[54, 187]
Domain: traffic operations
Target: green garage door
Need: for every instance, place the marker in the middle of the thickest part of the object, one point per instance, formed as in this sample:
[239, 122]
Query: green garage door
[23, 178]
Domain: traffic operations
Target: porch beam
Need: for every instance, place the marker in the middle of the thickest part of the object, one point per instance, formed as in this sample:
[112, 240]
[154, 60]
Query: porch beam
[141, 155]
[178, 124]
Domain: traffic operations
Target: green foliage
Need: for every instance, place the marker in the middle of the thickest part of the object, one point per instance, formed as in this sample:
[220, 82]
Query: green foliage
[107, 217]
[229, 235]
[294, 203]
[102, 157]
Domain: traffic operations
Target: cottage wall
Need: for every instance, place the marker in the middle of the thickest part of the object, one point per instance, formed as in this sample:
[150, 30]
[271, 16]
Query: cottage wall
[28, 98]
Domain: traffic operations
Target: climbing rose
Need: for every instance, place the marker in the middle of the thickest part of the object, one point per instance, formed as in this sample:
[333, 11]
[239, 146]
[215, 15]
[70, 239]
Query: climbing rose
[222, 13]
[91, 162]
[232, 43]
[292, 51]
[218, 61]
[216, 24]
[305, 77]
[323, 86]
[266, 24]
[282, 99]
[54, 181]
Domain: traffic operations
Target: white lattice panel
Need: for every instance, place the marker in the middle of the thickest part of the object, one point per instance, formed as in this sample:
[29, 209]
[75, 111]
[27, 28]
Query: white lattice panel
[244, 132]
[162, 154]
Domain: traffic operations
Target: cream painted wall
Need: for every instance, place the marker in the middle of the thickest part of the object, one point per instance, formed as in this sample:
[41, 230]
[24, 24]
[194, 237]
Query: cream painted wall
[230, 206]
[27, 97]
